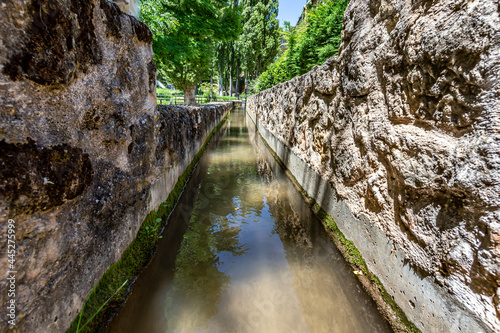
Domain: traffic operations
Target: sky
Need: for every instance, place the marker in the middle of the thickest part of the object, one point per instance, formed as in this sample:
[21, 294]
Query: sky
[290, 10]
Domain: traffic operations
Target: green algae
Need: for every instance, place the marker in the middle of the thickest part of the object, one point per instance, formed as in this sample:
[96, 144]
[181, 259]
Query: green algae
[353, 256]
[135, 257]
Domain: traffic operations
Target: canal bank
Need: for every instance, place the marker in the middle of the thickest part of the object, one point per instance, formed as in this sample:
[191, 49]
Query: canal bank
[243, 251]
[182, 137]
[399, 150]
[319, 194]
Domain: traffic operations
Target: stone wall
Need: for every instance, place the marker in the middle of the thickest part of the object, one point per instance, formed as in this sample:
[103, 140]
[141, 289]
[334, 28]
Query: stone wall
[398, 138]
[85, 154]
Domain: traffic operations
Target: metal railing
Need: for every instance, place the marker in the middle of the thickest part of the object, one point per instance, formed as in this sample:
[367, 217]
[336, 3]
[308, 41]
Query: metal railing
[179, 100]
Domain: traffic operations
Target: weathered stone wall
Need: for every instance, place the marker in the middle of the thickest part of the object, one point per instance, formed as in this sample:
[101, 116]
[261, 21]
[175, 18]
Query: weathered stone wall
[398, 138]
[84, 152]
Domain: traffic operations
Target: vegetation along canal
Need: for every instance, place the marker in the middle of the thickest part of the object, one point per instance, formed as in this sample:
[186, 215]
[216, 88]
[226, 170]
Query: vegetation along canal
[243, 252]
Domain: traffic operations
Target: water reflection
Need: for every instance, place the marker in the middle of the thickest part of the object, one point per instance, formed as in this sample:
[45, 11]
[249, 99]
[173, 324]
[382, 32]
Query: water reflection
[198, 284]
[331, 299]
[251, 256]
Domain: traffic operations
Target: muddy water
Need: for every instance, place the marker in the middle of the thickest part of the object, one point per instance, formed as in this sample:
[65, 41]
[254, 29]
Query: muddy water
[243, 253]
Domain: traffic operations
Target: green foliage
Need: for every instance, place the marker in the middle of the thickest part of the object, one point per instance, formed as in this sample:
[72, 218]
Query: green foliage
[276, 73]
[310, 44]
[192, 38]
[159, 21]
[208, 91]
[255, 48]
[165, 91]
[253, 86]
[260, 39]
[80, 328]
[321, 36]
[226, 98]
[155, 229]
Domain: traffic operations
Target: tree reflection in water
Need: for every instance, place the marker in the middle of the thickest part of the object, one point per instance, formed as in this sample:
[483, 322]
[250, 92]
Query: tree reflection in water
[198, 284]
[213, 230]
[252, 257]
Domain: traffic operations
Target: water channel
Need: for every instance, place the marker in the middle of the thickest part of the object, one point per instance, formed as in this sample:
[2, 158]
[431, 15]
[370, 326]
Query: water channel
[243, 252]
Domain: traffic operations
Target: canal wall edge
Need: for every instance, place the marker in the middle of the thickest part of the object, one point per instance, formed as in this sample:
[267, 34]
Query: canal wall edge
[383, 258]
[116, 282]
[403, 126]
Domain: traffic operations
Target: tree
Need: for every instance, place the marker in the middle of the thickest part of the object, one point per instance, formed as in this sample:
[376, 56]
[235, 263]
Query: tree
[310, 43]
[260, 39]
[184, 46]
[319, 38]
[228, 63]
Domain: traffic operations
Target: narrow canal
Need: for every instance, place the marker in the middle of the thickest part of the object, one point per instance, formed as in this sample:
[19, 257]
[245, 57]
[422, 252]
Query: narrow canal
[243, 252]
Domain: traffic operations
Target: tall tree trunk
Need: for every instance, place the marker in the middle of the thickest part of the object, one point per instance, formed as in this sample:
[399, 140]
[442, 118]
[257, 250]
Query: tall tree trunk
[237, 82]
[221, 85]
[230, 83]
[189, 96]
[211, 86]
[246, 83]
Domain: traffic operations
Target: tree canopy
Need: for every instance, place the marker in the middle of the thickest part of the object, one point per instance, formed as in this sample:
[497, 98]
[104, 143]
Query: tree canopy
[309, 44]
[260, 39]
[184, 33]
[236, 40]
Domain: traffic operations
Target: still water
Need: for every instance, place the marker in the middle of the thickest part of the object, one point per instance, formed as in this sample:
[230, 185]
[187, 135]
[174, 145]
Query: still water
[243, 252]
